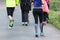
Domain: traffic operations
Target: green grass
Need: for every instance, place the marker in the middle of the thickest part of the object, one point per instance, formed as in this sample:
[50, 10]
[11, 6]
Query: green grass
[54, 18]
[55, 5]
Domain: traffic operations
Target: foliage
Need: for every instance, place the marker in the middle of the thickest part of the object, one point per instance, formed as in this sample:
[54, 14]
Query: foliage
[55, 5]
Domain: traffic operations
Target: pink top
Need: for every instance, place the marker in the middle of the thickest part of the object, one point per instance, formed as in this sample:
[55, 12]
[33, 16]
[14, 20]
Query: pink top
[45, 7]
[47, 1]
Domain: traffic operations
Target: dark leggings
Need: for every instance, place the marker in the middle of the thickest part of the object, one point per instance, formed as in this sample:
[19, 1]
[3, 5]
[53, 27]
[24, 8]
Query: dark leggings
[38, 13]
[10, 11]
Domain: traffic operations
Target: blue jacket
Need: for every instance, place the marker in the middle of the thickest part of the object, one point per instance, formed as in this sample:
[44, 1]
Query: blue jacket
[37, 3]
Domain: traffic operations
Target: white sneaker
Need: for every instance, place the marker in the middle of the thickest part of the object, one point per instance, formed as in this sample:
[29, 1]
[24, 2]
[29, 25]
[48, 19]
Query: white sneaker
[10, 27]
[41, 34]
[26, 23]
[23, 23]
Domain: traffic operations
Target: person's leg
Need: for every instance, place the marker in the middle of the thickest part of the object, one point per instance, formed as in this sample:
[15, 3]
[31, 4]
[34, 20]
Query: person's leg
[44, 18]
[23, 19]
[36, 21]
[41, 20]
[47, 17]
[26, 18]
[10, 15]
[10, 12]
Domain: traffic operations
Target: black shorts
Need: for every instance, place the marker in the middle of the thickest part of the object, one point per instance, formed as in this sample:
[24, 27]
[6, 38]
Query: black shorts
[10, 11]
[45, 16]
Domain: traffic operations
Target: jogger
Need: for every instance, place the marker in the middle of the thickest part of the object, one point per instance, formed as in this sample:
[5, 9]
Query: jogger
[10, 15]
[10, 6]
[25, 7]
[45, 11]
[38, 13]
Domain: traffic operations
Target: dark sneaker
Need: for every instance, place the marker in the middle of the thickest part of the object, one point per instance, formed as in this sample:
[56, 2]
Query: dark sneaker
[23, 23]
[36, 35]
[26, 23]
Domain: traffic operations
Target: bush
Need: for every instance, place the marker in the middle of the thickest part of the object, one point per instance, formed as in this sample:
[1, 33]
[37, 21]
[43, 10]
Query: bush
[55, 5]
[54, 18]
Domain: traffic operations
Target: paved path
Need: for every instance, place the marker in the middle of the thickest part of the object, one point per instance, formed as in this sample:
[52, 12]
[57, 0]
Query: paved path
[20, 32]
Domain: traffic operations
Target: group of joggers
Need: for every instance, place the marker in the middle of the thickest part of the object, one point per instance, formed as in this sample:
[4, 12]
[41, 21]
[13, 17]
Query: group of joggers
[40, 10]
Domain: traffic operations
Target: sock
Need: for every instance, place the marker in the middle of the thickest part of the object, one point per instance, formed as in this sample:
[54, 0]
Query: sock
[36, 29]
[41, 27]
